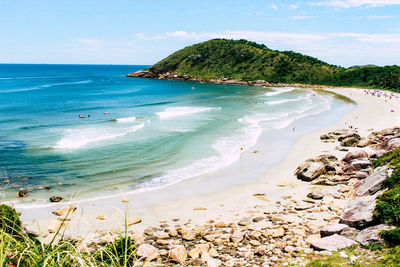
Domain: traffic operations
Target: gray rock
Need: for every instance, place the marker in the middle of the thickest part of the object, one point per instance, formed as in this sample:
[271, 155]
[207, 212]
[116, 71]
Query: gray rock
[309, 171]
[350, 233]
[331, 162]
[316, 194]
[350, 141]
[55, 199]
[378, 154]
[244, 221]
[23, 193]
[349, 135]
[333, 229]
[370, 235]
[359, 212]
[391, 144]
[374, 182]
[359, 154]
[332, 243]
[357, 165]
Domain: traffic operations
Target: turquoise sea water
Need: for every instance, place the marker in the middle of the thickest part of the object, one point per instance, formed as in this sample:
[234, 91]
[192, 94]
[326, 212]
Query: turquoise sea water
[142, 134]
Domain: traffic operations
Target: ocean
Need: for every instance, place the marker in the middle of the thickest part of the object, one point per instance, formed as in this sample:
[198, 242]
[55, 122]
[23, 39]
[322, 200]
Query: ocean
[87, 130]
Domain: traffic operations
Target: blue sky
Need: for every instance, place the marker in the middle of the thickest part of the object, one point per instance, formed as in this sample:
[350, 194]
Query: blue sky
[341, 32]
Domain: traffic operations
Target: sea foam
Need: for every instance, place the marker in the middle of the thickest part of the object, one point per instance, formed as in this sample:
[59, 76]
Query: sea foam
[77, 138]
[182, 111]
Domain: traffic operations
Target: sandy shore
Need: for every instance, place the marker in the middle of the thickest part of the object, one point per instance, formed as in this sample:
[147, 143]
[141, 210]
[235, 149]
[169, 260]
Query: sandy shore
[230, 204]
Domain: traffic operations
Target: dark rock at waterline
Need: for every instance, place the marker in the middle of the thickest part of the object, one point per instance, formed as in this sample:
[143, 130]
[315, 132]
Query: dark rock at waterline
[23, 193]
[55, 199]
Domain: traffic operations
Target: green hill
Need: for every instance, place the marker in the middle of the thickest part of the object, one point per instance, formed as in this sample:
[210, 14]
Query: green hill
[248, 61]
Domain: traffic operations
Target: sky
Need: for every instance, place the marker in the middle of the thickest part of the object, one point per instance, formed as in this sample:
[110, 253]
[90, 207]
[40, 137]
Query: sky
[340, 32]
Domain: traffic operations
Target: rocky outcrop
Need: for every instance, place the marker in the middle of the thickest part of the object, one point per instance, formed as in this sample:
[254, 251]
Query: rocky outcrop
[332, 243]
[359, 212]
[374, 182]
[370, 235]
[333, 229]
[315, 167]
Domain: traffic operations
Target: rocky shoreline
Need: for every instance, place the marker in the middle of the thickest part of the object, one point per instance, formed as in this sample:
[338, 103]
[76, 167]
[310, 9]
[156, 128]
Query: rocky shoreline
[222, 80]
[338, 214]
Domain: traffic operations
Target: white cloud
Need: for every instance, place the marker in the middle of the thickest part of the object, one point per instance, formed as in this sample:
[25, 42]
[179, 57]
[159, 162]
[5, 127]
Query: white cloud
[255, 13]
[380, 17]
[356, 3]
[301, 17]
[291, 6]
[273, 6]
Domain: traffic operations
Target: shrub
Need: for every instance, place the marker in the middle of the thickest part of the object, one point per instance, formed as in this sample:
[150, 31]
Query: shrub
[392, 237]
[391, 158]
[387, 209]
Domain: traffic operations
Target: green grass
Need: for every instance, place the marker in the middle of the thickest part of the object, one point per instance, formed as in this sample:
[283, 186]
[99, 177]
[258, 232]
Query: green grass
[19, 249]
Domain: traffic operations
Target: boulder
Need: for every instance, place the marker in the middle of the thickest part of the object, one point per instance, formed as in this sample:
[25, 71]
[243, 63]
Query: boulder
[349, 135]
[359, 154]
[315, 194]
[23, 193]
[333, 229]
[359, 212]
[178, 254]
[350, 233]
[55, 199]
[309, 171]
[331, 162]
[370, 235]
[147, 251]
[350, 141]
[332, 243]
[374, 182]
[392, 144]
[237, 236]
[357, 165]
[244, 221]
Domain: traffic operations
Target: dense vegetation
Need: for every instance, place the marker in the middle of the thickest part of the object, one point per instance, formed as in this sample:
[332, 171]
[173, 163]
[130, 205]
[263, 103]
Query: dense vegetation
[387, 209]
[244, 60]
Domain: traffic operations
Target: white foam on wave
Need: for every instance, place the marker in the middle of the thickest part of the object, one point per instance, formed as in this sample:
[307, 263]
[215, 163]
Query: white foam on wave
[128, 119]
[229, 150]
[182, 111]
[277, 102]
[306, 111]
[278, 91]
[74, 138]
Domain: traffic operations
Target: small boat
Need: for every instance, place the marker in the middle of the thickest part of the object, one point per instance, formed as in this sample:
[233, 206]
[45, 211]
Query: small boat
[106, 112]
[81, 116]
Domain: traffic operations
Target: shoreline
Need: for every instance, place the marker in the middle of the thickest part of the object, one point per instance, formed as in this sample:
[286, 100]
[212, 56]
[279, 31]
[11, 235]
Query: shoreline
[234, 203]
